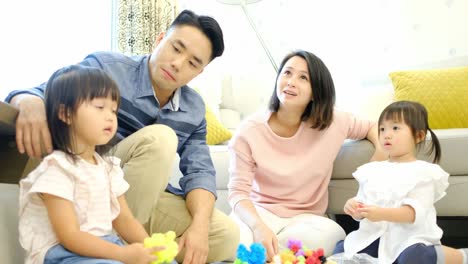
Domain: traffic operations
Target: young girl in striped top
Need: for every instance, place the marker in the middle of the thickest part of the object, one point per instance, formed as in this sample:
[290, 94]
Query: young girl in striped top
[70, 204]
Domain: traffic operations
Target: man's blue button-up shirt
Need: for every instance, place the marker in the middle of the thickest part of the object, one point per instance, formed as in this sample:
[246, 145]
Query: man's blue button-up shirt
[184, 113]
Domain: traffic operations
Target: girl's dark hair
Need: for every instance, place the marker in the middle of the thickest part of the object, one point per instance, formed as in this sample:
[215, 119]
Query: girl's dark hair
[414, 115]
[323, 90]
[66, 90]
[208, 25]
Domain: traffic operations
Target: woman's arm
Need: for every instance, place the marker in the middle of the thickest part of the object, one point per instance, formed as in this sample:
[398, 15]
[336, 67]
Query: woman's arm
[126, 224]
[373, 136]
[242, 169]
[246, 211]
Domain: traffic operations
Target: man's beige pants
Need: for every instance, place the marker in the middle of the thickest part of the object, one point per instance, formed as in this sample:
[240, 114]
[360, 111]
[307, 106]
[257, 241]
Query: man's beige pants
[147, 158]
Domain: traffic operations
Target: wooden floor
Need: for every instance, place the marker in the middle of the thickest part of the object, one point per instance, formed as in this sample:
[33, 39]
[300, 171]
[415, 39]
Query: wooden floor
[455, 229]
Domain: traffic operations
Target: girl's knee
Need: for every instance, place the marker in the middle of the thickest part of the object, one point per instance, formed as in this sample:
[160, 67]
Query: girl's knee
[418, 253]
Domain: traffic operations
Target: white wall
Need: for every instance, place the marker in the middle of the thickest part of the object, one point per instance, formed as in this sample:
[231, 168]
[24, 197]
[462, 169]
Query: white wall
[38, 37]
[360, 41]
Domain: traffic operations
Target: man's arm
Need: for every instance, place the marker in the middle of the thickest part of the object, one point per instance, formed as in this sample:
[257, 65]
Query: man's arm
[199, 186]
[36, 91]
[196, 164]
[200, 204]
[32, 132]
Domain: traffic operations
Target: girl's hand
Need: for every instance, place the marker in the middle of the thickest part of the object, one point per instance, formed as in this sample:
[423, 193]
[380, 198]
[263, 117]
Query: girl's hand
[263, 234]
[372, 213]
[136, 253]
[351, 207]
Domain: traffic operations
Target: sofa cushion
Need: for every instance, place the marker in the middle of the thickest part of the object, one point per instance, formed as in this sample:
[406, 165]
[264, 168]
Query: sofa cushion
[453, 143]
[444, 92]
[220, 156]
[216, 132]
[339, 191]
[10, 249]
[353, 154]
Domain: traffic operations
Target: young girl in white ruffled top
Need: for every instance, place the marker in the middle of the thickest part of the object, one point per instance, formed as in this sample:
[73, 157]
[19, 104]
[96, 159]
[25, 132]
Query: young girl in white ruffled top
[70, 204]
[395, 200]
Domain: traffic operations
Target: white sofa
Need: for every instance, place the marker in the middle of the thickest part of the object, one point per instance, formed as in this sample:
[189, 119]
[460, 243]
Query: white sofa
[454, 144]
[220, 157]
[10, 249]
[237, 100]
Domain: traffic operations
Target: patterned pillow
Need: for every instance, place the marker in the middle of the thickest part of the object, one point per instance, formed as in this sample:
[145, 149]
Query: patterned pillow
[444, 92]
[216, 132]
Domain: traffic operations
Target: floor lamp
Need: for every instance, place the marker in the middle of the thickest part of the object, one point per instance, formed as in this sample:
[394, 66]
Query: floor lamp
[243, 4]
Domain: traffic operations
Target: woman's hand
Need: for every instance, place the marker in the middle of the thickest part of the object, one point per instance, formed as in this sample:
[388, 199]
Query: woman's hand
[373, 136]
[379, 155]
[351, 207]
[263, 234]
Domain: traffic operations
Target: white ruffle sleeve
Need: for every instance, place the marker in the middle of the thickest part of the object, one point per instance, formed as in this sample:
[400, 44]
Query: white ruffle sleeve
[418, 184]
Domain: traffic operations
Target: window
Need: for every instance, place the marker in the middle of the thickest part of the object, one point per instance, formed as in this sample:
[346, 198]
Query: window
[38, 37]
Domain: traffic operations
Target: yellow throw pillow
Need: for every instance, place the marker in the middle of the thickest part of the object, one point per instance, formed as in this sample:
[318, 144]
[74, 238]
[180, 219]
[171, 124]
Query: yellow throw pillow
[444, 92]
[216, 133]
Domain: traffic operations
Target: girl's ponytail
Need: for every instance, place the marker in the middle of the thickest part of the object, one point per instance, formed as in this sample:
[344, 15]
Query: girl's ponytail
[435, 147]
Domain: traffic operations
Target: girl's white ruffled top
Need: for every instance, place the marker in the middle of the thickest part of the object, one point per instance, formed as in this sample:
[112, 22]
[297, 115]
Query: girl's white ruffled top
[418, 184]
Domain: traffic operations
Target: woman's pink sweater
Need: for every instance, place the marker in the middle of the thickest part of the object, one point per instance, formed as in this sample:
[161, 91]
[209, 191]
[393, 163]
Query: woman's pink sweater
[287, 176]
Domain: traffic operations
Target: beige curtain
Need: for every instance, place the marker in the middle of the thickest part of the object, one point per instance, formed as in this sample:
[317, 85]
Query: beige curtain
[140, 21]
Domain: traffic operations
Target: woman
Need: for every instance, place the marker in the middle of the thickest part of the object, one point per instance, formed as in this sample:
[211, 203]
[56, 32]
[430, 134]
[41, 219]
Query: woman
[282, 159]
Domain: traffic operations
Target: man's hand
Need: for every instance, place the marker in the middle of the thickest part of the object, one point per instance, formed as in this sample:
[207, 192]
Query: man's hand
[263, 234]
[195, 242]
[200, 204]
[32, 132]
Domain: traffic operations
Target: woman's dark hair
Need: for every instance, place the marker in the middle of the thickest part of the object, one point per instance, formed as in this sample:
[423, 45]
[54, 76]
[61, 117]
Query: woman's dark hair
[208, 25]
[66, 90]
[323, 90]
[414, 115]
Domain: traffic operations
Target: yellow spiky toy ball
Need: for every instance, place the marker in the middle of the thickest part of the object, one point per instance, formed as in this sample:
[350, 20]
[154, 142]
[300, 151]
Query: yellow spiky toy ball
[167, 241]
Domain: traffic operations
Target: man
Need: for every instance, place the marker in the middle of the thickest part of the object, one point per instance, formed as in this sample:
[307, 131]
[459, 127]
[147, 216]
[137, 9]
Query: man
[156, 102]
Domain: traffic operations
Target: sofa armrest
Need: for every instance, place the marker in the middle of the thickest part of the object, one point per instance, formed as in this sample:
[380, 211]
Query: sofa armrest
[7, 119]
[11, 161]
[353, 153]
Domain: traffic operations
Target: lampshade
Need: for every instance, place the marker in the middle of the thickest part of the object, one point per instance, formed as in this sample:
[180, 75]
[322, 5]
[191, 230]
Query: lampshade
[243, 4]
